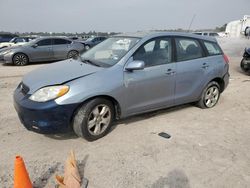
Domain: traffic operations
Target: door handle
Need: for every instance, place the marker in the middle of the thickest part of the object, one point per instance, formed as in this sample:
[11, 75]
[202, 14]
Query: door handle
[205, 66]
[170, 72]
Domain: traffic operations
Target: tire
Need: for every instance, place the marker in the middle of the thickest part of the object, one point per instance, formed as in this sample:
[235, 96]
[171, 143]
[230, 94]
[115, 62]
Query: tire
[87, 47]
[20, 59]
[73, 54]
[210, 96]
[88, 121]
[242, 65]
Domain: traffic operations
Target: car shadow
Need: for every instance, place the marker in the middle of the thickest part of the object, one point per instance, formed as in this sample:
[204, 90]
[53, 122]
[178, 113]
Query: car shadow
[62, 136]
[132, 119]
[175, 178]
[148, 115]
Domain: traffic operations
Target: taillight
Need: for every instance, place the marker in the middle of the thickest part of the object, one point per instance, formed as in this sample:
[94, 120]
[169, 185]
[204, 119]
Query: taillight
[226, 58]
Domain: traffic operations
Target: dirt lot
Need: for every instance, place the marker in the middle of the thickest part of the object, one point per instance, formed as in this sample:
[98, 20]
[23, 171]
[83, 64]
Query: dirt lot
[208, 148]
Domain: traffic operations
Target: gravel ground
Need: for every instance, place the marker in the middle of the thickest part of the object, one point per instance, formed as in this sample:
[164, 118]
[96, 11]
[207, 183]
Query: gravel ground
[207, 148]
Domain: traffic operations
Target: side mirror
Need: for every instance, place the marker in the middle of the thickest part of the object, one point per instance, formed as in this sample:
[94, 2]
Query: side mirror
[34, 45]
[135, 65]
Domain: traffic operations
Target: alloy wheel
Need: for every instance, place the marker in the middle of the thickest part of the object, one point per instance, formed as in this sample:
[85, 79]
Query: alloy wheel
[99, 119]
[211, 96]
[20, 59]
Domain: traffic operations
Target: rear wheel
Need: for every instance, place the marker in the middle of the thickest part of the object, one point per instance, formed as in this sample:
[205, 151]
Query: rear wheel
[73, 54]
[20, 59]
[87, 47]
[210, 95]
[94, 119]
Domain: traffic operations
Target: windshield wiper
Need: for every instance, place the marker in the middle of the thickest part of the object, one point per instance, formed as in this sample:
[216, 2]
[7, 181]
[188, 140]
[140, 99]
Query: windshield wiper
[89, 62]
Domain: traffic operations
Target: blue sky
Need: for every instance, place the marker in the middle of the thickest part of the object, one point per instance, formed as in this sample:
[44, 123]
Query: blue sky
[117, 15]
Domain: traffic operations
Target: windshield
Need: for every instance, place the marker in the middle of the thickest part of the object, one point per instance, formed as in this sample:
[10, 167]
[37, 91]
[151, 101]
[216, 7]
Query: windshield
[110, 51]
[13, 40]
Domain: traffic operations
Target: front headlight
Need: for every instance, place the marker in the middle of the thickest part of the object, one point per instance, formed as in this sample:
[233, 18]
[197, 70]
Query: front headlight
[49, 93]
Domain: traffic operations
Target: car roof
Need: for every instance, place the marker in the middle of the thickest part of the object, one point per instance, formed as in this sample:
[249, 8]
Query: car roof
[152, 34]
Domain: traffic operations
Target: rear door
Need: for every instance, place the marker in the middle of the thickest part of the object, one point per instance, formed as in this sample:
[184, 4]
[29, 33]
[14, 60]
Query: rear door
[192, 69]
[61, 48]
[152, 87]
[43, 50]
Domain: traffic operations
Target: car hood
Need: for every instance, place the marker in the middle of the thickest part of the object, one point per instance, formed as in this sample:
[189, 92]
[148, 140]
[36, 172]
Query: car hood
[58, 73]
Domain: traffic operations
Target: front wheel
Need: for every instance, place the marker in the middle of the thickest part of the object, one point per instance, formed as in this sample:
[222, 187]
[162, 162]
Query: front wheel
[94, 119]
[242, 65]
[20, 59]
[210, 95]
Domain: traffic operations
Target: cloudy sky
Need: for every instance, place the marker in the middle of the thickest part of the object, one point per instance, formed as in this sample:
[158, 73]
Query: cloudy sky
[117, 15]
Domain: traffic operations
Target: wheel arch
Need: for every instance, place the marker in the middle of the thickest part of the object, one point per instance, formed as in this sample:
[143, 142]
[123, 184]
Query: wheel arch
[107, 97]
[221, 83]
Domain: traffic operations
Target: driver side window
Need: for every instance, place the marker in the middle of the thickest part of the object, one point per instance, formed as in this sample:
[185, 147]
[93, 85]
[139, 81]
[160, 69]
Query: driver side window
[155, 52]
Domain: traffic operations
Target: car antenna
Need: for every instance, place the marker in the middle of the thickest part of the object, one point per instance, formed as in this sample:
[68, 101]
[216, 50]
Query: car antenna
[191, 23]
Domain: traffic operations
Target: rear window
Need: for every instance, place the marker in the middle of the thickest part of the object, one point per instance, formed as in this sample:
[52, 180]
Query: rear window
[212, 48]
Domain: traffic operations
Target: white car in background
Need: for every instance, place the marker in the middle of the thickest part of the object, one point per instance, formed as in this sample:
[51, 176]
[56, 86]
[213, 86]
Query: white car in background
[210, 34]
[16, 41]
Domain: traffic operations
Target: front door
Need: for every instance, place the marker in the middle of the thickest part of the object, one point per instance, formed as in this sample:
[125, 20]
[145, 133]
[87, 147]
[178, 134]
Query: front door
[43, 50]
[152, 87]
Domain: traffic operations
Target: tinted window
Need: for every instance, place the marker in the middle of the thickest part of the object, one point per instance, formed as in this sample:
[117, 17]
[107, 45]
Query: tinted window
[45, 42]
[214, 34]
[188, 49]
[61, 41]
[19, 40]
[212, 48]
[155, 52]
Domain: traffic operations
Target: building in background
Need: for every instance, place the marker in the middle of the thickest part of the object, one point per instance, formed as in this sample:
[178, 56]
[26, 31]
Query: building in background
[238, 28]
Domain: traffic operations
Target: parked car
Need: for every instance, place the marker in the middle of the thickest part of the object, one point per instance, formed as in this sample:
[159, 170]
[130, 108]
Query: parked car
[16, 41]
[42, 49]
[245, 62]
[210, 34]
[6, 37]
[148, 71]
[92, 41]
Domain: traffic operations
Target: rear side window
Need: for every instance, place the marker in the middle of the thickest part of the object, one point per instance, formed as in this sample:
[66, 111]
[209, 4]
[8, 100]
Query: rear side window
[44, 42]
[61, 41]
[187, 49]
[212, 48]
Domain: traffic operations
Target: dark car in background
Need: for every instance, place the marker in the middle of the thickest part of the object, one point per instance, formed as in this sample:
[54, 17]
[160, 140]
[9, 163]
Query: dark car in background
[6, 37]
[245, 62]
[42, 49]
[92, 41]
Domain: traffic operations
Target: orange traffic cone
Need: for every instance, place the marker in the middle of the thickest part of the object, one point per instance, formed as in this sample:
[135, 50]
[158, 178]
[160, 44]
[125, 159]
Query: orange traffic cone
[21, 176]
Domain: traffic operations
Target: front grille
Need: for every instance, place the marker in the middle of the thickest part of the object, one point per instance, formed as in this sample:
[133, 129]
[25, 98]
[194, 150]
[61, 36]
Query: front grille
[24, 89]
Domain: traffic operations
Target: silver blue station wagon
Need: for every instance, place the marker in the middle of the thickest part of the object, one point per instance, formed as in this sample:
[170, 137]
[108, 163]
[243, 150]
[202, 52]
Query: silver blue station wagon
[125, 75]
